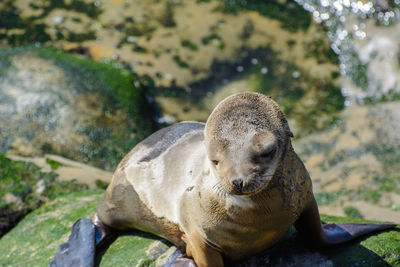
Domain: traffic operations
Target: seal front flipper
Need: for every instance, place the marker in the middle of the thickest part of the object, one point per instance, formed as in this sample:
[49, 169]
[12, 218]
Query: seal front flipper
[203, 253]
[80, 247]
[178, 259]
[309, 224]
[86, 237]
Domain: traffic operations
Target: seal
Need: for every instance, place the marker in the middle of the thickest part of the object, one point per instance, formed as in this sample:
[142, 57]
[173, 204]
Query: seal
[226, 189]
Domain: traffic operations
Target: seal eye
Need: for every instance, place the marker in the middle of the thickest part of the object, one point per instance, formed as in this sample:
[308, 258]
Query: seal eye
[215, 162]
[264, 156]
[268, 154]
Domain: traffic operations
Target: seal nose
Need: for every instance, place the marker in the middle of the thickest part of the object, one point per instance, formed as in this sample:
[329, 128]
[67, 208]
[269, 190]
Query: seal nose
[238, 183]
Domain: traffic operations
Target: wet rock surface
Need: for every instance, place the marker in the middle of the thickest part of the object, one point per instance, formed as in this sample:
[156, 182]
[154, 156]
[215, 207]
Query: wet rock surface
[274, 47]
[53, 102]
[49, 226]
[68, 170]
[354, 164]
[27, 183]
[364, 36]
[24, 187]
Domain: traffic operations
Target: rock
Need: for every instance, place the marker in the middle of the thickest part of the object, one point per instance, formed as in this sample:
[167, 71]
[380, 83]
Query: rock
[67, 170]
[36, 238]
[10, 198]
[24, 187]
[356, 161]
[273, 47]
[34, 241]
[54, 102]
[168, 38]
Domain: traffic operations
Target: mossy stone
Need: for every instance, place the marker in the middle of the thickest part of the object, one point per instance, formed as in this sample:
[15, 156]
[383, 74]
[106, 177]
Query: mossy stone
[34, 241]
[59, 103]
[24, 187]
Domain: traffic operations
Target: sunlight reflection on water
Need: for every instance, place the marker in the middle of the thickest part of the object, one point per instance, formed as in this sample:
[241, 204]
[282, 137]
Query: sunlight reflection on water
[352, 27]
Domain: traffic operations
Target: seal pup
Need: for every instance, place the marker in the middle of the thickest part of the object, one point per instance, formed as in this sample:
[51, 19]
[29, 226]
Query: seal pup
[226, 189]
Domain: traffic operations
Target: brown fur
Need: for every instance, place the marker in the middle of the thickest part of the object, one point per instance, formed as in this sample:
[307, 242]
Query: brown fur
[241, 112]
[247, 137]
[121, 208]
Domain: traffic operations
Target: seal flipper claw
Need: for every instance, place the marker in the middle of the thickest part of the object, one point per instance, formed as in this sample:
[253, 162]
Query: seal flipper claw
[178, 259]
[79, 250]
[103, 233]
[309, 224]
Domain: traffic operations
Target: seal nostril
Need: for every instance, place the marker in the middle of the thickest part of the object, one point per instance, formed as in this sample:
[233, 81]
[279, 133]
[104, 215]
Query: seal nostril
[238, 183]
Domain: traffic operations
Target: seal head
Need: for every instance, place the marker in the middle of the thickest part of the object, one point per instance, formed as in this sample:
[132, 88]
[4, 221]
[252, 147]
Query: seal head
[246, 136]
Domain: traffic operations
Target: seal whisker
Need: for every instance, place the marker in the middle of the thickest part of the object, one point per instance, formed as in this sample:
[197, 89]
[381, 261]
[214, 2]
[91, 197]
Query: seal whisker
[219, 190]
[215, 187]
[272, 175]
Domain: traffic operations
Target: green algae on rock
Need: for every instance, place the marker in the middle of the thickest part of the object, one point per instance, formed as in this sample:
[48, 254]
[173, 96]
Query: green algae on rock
[25, 29]
[356, 161]
[23, 188]
[191, 58]
[55, 102]
[292, 15]
[35, 240]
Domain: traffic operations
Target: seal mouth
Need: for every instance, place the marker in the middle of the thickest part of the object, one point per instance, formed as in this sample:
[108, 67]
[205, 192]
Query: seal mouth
[245, 189]
[253, 187]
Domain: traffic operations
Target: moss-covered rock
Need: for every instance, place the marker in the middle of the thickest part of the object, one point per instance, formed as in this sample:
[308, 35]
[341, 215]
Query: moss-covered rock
[291, 15]
[24, 187]
[55, 102]
[35, 240]
[356, 162]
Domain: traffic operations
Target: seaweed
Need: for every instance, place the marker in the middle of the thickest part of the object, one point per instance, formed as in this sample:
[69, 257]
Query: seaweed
[292, 16]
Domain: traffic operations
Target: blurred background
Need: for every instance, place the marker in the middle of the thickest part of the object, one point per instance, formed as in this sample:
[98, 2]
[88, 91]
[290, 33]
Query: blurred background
[82, 81]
